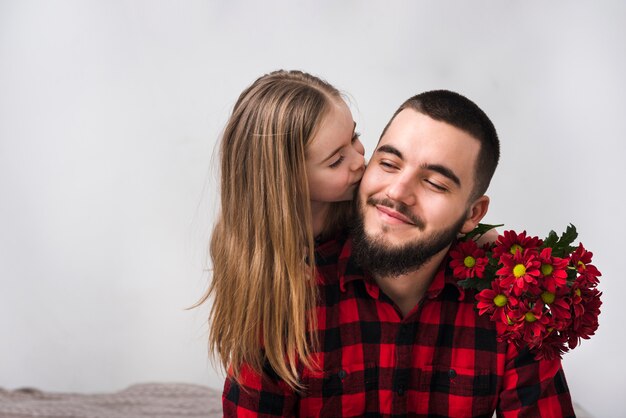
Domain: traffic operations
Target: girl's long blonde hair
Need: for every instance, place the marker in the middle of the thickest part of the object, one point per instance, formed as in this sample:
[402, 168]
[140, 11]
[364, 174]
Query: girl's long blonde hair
[263, 287]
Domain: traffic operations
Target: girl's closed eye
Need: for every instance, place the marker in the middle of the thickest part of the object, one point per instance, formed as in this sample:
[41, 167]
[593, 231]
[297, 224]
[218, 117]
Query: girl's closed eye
[336, 163]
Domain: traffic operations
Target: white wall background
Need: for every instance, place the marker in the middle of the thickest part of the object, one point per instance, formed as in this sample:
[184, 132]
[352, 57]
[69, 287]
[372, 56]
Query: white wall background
[110, 111]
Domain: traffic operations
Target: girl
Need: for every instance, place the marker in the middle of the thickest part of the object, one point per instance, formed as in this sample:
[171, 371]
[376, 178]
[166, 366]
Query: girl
[290, 164]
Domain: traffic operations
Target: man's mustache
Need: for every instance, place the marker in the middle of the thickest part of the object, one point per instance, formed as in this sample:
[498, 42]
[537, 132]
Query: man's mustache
[398, 207]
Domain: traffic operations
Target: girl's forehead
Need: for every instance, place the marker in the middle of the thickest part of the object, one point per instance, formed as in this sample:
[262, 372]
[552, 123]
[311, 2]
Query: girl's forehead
[334, 132]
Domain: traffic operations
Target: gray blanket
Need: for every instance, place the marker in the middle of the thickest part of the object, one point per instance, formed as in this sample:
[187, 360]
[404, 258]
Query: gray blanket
[155, 400]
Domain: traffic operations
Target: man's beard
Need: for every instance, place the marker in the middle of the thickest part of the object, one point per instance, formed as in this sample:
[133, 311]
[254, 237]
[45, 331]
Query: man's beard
[381, 259]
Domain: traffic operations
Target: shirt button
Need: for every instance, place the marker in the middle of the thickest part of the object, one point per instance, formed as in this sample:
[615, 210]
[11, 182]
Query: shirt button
[401, 390]
[451, 373]
[342, 374]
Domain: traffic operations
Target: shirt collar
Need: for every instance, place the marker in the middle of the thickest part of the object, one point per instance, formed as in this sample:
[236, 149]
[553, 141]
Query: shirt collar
[349, 271]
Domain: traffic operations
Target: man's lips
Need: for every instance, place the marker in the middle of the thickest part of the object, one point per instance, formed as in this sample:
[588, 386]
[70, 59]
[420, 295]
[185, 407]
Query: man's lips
[388, 212]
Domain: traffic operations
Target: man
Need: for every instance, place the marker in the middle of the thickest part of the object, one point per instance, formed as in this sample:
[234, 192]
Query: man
[397, 337]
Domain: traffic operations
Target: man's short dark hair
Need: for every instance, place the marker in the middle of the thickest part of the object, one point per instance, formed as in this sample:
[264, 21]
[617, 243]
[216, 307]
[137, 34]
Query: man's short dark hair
[460, 112]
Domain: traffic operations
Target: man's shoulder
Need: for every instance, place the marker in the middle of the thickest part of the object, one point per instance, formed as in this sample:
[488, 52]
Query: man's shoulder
[462, 302]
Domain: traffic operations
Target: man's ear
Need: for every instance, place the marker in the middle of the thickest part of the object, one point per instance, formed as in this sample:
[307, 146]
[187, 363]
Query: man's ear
[475, 213]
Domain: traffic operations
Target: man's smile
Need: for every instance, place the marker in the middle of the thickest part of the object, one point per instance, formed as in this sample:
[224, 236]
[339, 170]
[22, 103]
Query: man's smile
[392, 216]
[394, 213]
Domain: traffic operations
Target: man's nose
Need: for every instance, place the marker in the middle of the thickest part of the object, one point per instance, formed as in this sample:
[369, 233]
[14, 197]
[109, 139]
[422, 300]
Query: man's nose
[402, 190]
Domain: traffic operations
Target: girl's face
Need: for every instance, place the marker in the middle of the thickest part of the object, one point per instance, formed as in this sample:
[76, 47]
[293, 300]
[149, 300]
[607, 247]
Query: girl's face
[334, 157]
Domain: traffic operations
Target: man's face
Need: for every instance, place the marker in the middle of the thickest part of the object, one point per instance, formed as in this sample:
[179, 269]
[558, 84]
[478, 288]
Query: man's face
[415, 193]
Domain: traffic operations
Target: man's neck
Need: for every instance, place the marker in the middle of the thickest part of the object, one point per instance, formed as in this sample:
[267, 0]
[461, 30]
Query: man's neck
[408, 290]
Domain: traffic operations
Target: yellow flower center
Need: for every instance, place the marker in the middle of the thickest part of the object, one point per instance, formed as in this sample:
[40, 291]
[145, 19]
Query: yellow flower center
[500, 301]
[548, 297]
[515, 248]
[577, 291]
[519, 270]
[530, 317]
[581, 265]
[546, 269]
[469, 261]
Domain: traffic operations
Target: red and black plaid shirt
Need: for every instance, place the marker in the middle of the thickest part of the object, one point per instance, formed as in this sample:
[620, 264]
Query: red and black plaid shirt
[442, 359]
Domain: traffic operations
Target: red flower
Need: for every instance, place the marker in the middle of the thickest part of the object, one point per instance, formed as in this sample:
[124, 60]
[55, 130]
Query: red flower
[510, 243]
[468, 260]
[559, 307]
[533, 325]
[553, 346]
[497, 302]
[586, 324]
[552, 270]
[519, 271]
[580, 260]
[578, 307]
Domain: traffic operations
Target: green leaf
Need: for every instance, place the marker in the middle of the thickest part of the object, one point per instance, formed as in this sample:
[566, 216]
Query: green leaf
[550, 240]
[571, 276]
[480, 230]
[467, 283]
[483, 284]
[569, 236]
[561, 247]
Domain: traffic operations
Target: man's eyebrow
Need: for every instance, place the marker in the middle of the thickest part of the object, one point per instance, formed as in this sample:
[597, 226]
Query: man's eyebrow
[441, 169]
[336, 150]
[444, 171]
[390, 150]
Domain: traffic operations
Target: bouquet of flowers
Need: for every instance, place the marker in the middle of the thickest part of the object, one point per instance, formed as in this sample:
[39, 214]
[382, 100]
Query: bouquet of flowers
[541, 293]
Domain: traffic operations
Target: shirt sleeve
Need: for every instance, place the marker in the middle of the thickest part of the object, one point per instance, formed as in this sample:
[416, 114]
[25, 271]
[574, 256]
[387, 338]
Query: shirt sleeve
[258, 395]
[533, 388]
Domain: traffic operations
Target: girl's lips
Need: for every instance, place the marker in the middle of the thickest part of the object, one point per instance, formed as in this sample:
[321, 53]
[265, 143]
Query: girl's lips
[391, 215]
